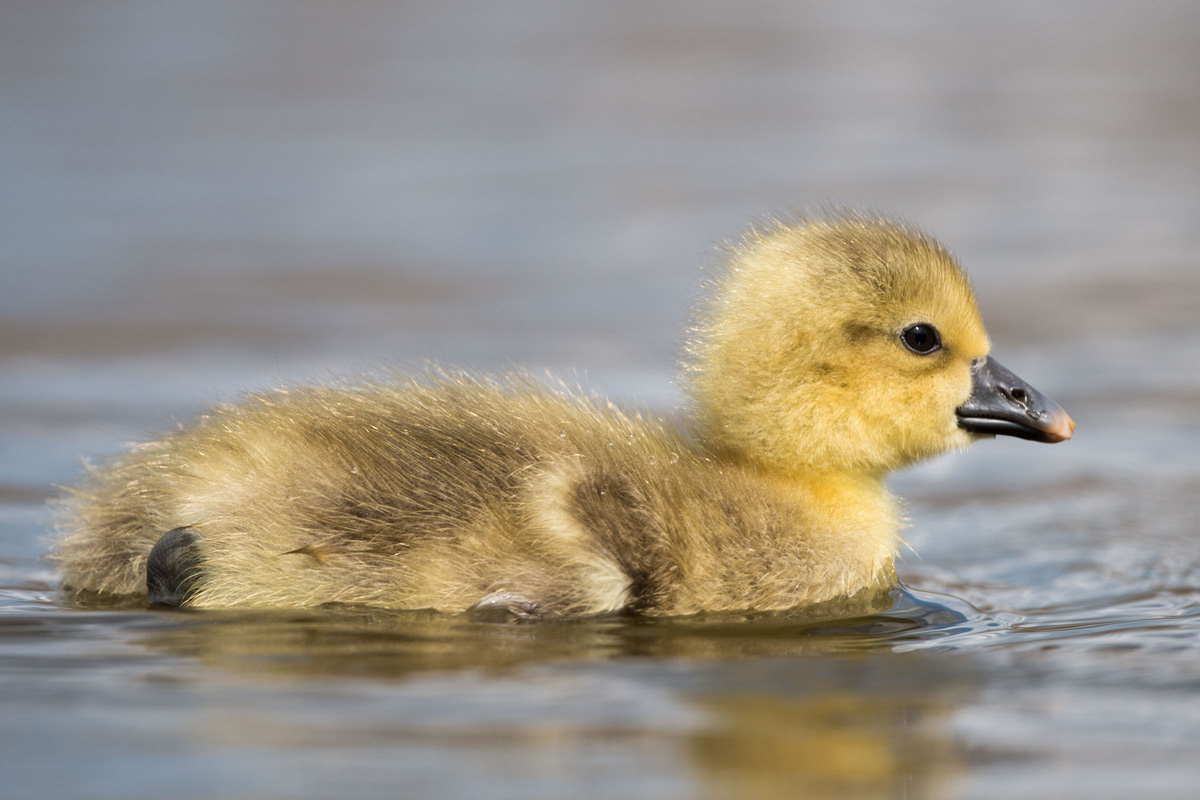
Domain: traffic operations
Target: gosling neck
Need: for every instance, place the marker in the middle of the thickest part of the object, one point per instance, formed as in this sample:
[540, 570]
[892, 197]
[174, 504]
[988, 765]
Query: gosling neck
[858, 520]
[843, 494]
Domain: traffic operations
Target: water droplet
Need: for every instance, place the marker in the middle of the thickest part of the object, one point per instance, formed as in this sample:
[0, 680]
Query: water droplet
[562, 434]
[354, 470]
[653, 460]
[610, 444]
[674, 458]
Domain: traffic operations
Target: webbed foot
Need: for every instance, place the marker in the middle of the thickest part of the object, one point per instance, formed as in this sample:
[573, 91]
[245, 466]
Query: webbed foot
[503, 607]
[173, 569]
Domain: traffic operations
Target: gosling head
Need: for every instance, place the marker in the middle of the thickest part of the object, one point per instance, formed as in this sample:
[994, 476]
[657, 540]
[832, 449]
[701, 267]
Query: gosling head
[851, 344]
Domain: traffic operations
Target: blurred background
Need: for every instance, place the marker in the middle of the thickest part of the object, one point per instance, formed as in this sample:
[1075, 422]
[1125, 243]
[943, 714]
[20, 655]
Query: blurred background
[202, 199]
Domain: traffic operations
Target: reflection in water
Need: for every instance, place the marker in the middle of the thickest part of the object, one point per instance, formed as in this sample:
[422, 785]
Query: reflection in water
[770, 705]
[389, 644]
[352, 699]
[837, 744]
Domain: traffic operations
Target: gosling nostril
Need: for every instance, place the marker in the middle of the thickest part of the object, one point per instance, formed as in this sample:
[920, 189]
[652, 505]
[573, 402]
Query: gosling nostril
[1020, 395]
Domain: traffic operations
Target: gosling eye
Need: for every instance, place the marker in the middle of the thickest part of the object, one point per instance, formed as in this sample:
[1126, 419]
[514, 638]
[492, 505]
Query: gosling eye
[921, 338]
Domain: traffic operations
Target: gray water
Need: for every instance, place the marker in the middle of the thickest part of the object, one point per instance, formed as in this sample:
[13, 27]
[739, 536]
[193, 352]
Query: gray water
[202, 199]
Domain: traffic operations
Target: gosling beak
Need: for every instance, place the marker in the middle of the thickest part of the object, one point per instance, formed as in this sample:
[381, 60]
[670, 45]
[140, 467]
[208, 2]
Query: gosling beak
[1004, 405]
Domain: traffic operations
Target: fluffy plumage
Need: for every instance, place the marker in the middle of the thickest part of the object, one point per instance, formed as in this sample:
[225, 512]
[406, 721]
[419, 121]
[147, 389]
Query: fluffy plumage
[448, 489]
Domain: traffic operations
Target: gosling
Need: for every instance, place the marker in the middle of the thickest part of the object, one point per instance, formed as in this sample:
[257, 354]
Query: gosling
[829, 352]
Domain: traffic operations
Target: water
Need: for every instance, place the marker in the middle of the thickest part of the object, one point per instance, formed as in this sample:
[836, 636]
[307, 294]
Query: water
[201, 200]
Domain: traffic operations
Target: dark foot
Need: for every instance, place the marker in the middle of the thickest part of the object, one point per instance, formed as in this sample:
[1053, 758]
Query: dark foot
[503, 607]
[173, 568]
